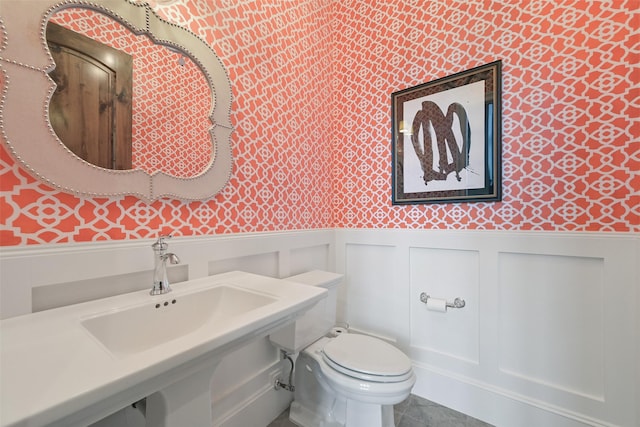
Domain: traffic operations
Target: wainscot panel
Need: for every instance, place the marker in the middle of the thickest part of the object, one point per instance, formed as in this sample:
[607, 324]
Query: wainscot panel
[549, 332]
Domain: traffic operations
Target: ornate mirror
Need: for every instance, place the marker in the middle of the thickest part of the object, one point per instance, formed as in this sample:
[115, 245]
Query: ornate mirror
[189, 160]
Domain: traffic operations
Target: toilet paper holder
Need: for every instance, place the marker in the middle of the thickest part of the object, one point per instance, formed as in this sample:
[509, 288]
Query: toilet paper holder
[457, 303]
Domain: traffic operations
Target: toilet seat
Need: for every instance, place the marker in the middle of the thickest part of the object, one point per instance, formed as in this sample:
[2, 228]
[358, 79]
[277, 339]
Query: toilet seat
[314, 367]
[367, 358]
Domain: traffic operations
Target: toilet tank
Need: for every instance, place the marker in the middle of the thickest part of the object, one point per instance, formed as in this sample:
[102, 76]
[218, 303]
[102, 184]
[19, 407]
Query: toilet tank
[317, 321]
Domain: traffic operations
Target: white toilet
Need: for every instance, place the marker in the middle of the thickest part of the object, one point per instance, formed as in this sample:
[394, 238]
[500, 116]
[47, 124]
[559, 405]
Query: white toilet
[343, 379]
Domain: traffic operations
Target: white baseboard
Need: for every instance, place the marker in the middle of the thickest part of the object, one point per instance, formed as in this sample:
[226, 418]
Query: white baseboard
[491, 404]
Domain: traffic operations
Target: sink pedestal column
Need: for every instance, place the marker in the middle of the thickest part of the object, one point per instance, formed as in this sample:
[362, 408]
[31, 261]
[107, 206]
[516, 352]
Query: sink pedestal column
[186, 402]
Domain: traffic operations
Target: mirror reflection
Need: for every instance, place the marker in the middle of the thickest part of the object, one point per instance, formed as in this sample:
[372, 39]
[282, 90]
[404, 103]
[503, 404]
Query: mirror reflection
[123, 102]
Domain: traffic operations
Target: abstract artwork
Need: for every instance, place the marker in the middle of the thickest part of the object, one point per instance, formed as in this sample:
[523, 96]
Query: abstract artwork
[446, 139]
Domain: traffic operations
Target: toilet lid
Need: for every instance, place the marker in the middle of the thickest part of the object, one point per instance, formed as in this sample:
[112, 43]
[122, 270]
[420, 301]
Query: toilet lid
[365, 357]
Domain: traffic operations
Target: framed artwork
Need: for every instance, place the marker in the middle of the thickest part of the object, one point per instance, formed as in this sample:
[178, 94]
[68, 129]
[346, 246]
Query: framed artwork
[446, 139]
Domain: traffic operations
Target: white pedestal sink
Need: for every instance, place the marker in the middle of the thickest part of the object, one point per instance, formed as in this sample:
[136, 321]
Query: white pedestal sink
[75, 365]
[164, 318]
[184, 403]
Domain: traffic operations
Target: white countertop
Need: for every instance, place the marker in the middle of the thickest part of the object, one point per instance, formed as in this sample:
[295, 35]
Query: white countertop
[52, 368]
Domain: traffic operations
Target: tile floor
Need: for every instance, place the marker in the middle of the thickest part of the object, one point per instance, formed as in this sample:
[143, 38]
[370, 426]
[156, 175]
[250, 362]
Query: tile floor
[413, 412]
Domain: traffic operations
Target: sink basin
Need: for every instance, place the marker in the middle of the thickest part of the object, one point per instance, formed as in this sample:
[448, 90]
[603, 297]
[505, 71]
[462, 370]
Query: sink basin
[168, 317]
[102, 355]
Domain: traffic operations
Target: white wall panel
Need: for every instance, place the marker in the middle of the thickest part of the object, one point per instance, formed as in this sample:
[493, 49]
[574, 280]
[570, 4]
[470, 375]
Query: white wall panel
[55, 275]
[551, 321]
[310, 258]
[550, 335]
[371, 291]
[445, 274]
[265, 264]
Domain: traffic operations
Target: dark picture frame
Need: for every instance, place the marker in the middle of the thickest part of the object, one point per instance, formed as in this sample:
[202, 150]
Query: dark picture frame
[447, 139]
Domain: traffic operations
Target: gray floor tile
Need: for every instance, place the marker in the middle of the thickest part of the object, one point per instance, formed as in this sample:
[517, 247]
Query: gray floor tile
[413, 412]
[282, 421]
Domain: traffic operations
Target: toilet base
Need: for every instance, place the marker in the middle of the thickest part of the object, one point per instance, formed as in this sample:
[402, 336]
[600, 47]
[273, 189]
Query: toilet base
[317, 404]
[369, 414]
[351, 414]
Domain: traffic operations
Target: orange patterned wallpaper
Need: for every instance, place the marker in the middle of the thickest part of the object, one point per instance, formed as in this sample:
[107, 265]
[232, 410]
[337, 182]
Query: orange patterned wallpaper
[571, 108]
[312, 85]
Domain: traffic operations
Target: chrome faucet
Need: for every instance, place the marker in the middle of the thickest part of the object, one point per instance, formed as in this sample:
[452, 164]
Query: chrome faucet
[160, 279]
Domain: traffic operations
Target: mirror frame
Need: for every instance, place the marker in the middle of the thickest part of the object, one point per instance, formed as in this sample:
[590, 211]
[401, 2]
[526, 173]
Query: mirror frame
[25, 62]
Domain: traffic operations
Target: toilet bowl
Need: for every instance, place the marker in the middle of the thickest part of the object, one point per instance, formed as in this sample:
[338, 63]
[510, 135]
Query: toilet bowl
[351, 380]
[348, 380]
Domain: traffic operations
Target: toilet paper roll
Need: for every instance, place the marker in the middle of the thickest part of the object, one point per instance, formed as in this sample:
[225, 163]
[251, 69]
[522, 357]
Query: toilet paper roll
[436, 304]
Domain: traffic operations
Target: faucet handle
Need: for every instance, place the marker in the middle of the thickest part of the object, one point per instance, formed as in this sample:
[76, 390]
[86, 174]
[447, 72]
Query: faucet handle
[160, 244]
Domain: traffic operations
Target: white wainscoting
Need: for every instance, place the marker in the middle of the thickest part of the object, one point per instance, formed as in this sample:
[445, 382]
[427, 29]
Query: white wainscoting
[549, 335]
[42, 277]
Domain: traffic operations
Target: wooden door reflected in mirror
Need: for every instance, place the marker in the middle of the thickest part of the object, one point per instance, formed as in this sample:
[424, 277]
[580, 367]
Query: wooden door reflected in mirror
[91, 108]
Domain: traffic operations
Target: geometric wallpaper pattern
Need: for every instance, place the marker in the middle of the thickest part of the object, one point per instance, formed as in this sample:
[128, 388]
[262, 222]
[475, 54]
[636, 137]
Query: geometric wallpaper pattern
[571, 108]
[311, 111]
